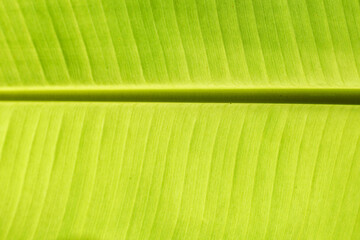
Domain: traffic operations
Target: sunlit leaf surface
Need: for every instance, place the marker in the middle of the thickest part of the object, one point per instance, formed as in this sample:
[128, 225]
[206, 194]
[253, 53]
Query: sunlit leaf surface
[238, 43]
[179, 171]
[115, 121]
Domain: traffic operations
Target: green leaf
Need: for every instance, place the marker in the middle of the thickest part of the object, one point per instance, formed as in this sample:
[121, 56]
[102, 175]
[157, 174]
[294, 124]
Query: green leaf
[115, 120]
[177, 43]
[181, 171]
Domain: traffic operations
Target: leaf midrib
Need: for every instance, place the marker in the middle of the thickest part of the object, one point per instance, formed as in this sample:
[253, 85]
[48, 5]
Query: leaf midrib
[157, 94]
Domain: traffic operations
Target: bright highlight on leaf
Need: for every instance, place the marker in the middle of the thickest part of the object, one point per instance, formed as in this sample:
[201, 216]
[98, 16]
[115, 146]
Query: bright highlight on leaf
[165, 156]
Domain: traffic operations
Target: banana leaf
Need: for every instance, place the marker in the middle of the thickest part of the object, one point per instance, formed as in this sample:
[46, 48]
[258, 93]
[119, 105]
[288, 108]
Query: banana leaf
[179, 119]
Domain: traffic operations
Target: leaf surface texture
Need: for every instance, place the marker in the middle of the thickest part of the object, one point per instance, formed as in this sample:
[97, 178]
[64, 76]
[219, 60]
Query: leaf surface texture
[179, 171]
[92, 148]
[176, 43]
